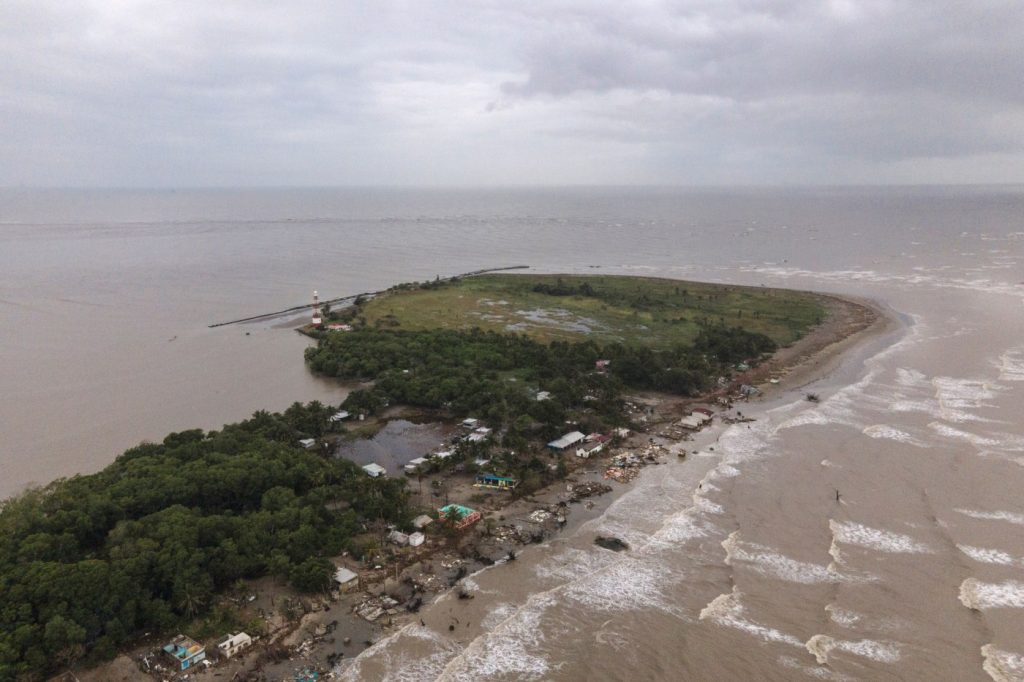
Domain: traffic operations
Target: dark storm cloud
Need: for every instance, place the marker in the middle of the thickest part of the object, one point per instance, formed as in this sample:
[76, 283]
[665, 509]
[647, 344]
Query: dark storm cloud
[195, 93]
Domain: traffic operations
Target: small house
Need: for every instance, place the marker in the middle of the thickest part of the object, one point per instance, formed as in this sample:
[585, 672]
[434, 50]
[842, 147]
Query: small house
[461, 516]
[569, 439]
[416, 539]
[586, 452]
[232, 644]
[185, 651]
[543, 395]
[422, 521]
[399, 538]
[414, 465]
[374, 470]
[694, 421]
[470, 423]
[443, 454]
[307, 442]
[340, 416]
[345, 578]
[495, 482]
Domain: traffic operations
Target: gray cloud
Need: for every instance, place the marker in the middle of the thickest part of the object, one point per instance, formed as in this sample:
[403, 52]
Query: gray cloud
[697, 91]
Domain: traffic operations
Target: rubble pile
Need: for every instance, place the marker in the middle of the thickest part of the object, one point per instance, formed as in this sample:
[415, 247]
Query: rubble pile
[626, 466]
[374, 607]
[579, 491]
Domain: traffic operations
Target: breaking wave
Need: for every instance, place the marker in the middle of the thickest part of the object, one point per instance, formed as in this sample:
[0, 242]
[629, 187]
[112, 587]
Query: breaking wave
[979, 596]
[727, 611]
[860, 535]
[773, 564]
[1010, 517]
[822, 647]
[1002, 666]
[989, 556]
[886, 432]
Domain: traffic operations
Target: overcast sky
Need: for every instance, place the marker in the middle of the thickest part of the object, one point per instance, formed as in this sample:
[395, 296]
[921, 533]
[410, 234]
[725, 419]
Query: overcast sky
[181, 93]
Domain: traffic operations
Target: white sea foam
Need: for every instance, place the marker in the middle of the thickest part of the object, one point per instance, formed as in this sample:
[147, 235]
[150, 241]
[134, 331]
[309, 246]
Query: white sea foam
[957, 397]
[842, 616]
[851, 533]
[806, 418]
[1002, 666]
[393, 655]
[817, 672]
[1011, 365]
[509, 649]
[1010, 517]
[706, 506]
[977, 595]
[496, 614]
[972, 438]
[773, 564]
[680, 528]
[727, 611]
[822, 647]
[988, 556]
[886, 432]
[727, 471]
[625, 585]
[571, 564]
[910, 377]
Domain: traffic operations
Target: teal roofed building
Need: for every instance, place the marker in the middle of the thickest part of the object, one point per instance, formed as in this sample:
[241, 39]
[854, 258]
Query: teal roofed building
[461, 516]
[186, 651]
[495, 482]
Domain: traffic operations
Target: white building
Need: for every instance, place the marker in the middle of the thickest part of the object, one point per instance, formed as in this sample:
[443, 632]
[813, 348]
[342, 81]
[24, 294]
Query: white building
[307, 442]
[567, 440]
[232, 644]
[374, 470]
[414, 464]
[345, 578]
[694, 421]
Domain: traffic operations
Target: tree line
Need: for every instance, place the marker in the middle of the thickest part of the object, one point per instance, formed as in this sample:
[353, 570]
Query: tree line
[89, 563]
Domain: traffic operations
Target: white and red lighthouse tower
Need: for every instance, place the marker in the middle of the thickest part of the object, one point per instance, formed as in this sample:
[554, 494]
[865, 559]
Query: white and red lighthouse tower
[318, 318]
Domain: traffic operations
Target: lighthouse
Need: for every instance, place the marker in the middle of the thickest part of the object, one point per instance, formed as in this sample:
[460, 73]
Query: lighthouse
[318, 319]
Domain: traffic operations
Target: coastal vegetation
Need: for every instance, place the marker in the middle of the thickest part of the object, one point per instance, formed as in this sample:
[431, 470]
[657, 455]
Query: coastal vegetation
[89, 563]
[531, 354]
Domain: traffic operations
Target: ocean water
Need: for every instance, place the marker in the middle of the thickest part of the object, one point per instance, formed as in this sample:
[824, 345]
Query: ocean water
[742, 564]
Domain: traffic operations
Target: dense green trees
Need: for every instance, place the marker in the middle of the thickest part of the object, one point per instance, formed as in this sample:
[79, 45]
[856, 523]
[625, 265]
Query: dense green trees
[490, 374]
[87, 563]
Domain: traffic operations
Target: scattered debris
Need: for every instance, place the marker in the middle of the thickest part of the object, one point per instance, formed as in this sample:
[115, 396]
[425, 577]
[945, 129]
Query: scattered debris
[579, 491]
[612, 543]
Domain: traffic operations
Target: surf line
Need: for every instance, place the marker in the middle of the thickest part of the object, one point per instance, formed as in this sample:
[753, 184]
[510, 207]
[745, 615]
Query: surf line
[343, 299]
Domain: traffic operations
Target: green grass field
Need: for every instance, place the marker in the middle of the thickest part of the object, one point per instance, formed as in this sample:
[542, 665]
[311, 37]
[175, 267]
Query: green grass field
[654, 312]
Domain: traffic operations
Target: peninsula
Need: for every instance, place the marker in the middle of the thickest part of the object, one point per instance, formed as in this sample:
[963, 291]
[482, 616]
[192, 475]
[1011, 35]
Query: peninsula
[528, 376]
